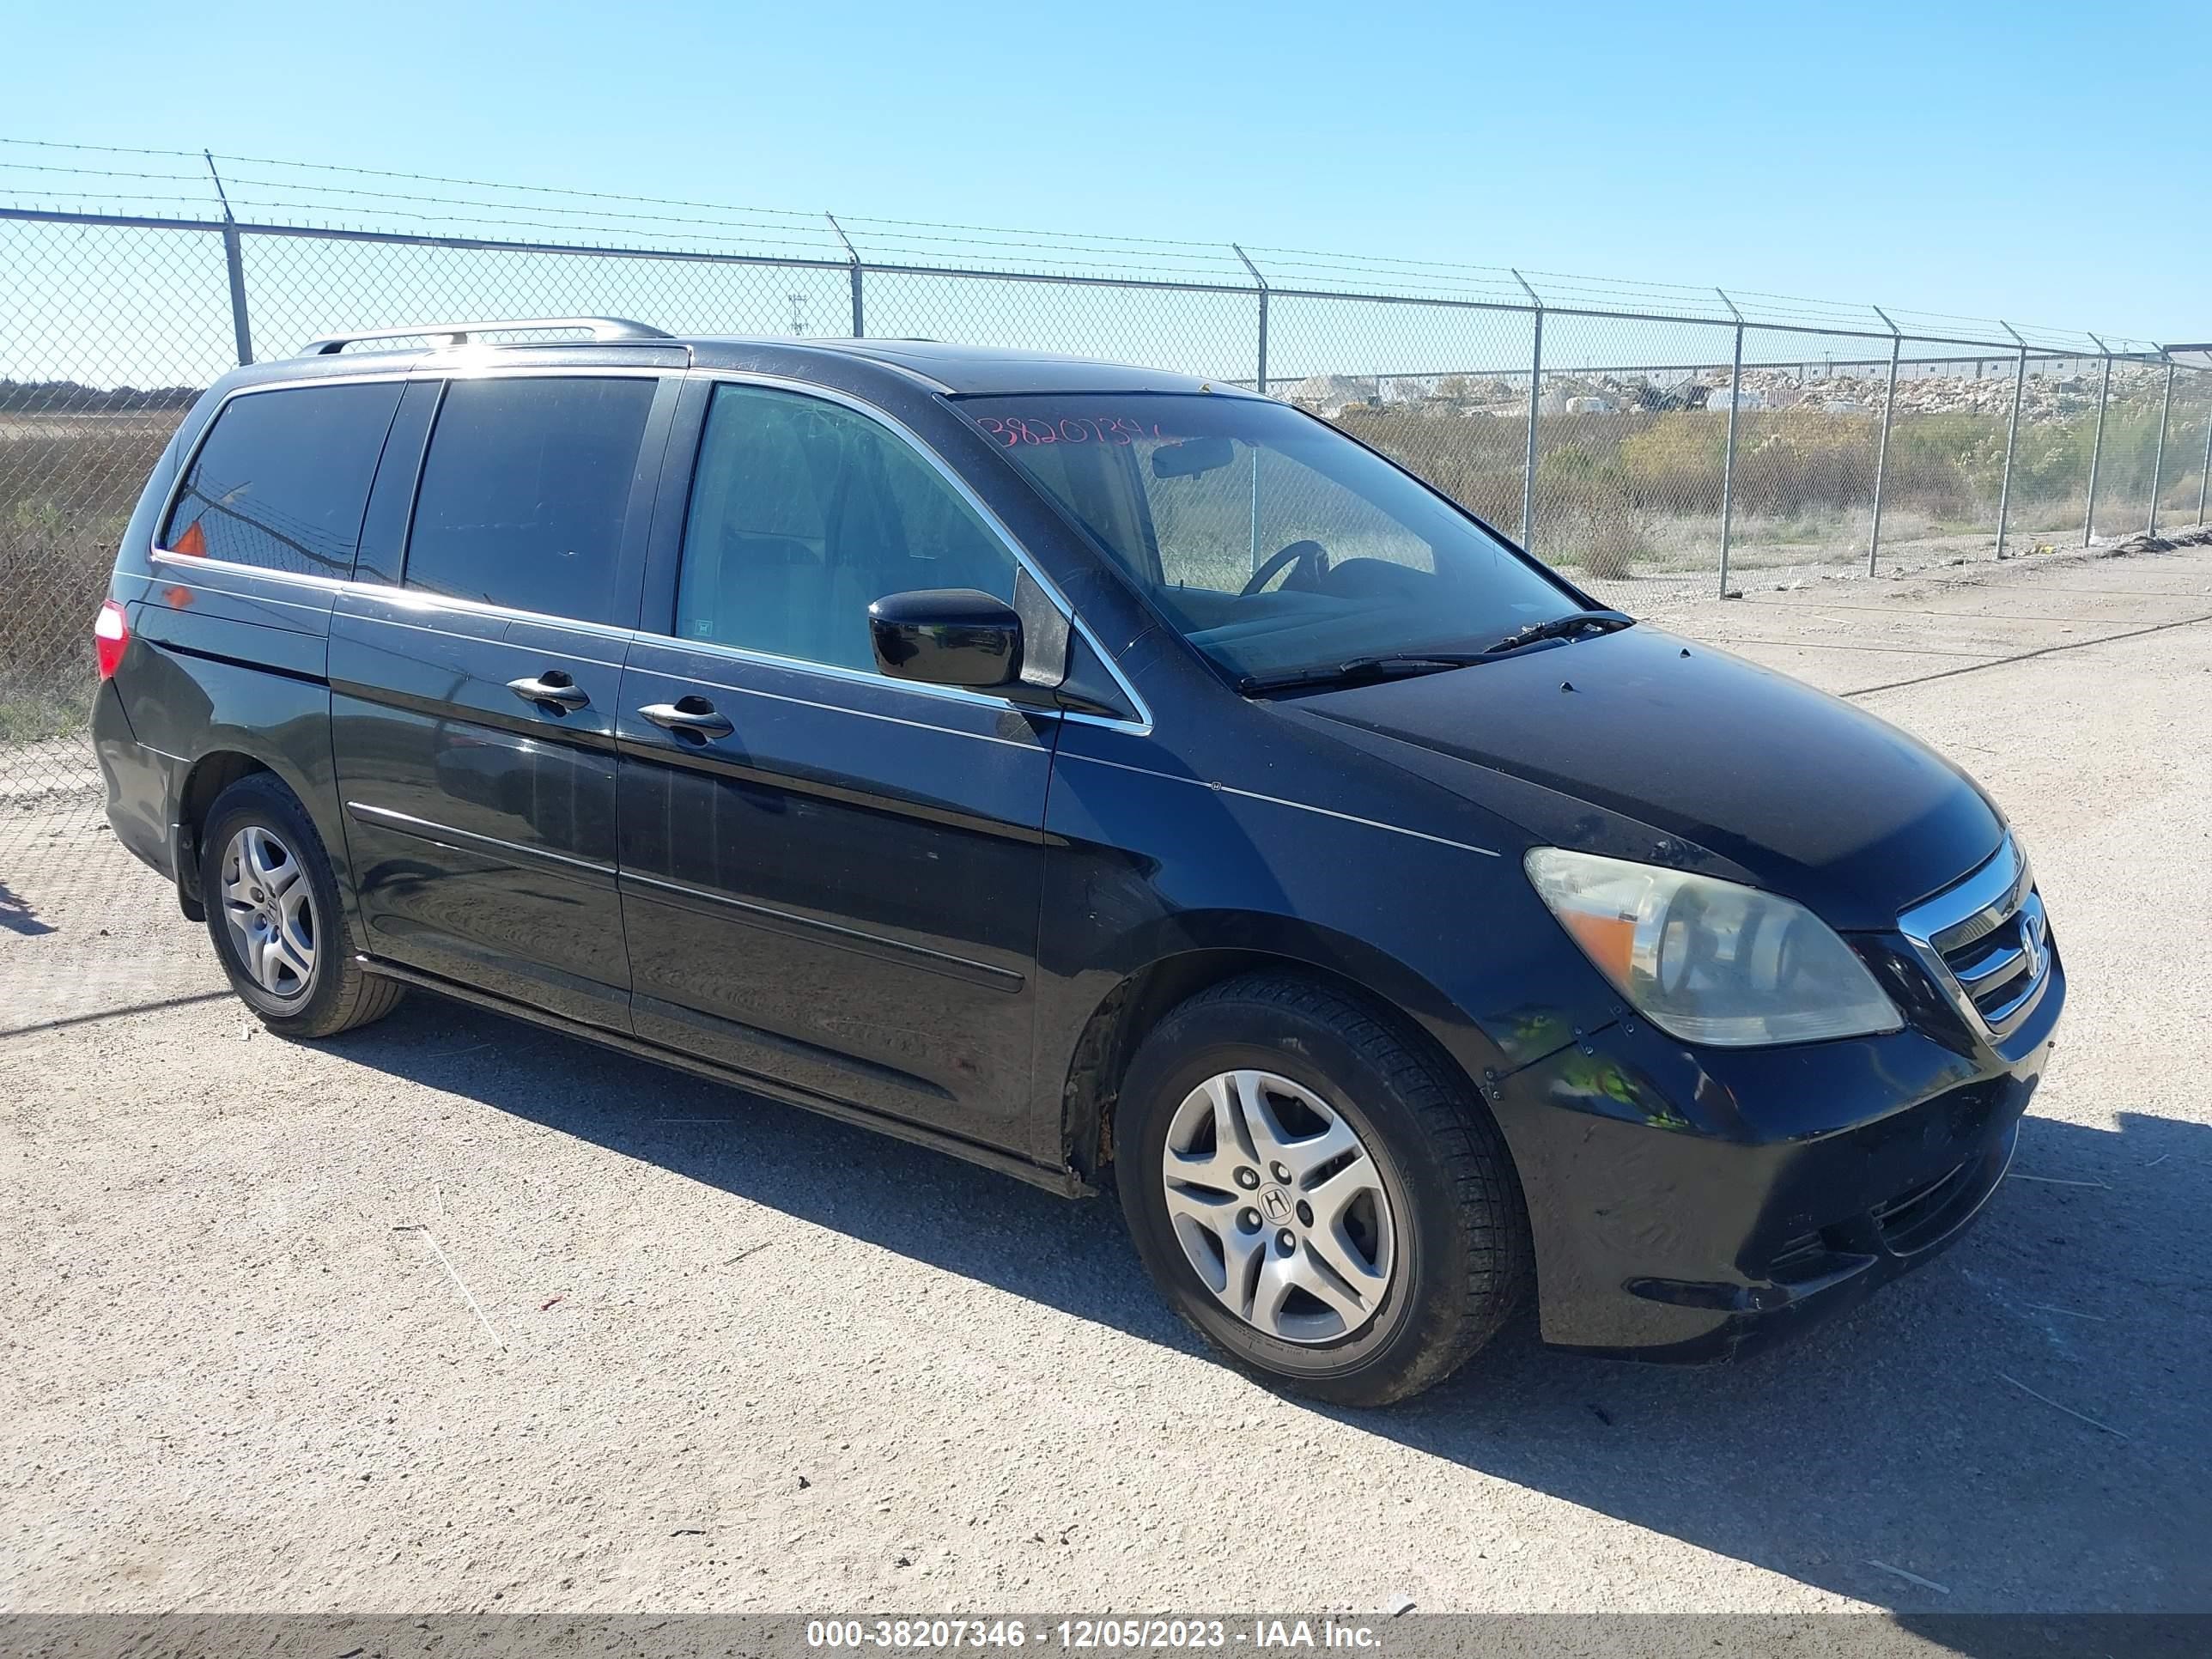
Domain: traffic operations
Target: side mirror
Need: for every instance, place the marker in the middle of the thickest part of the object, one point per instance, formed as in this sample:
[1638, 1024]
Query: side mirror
[947, 636]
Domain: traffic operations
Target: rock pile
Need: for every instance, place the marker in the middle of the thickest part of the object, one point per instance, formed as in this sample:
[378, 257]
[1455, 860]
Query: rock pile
[2048, 394]
[2055, 391]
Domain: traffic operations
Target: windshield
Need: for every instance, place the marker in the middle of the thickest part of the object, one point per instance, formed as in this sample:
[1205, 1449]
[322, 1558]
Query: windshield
[1275, 543]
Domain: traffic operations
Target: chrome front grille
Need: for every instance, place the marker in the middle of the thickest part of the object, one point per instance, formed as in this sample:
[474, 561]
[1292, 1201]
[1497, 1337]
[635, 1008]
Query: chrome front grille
[1985, 942]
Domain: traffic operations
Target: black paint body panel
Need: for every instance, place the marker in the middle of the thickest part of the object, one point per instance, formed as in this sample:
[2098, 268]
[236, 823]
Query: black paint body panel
[843, 894]
[1814, 799]
[482, 827]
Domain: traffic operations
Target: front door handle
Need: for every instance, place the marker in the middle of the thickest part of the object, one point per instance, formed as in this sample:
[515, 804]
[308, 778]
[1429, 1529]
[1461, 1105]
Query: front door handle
[688, 717]
[552, 686]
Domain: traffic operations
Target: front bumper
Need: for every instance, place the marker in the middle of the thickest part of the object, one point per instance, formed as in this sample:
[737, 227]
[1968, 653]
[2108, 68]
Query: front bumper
[1690, 1205]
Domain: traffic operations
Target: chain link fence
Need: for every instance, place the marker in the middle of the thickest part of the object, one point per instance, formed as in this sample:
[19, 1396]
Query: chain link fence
[1660, 444]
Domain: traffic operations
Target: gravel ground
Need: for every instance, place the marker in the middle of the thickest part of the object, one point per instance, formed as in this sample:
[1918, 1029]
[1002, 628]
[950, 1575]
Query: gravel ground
[455, 1315]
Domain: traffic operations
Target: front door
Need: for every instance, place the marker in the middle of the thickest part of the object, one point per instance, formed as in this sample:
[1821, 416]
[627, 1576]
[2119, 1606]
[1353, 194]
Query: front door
[473, 703]
[831, 879]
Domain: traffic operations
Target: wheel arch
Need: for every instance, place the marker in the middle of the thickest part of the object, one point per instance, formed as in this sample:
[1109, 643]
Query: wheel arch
[203, 785]
[1213, 949]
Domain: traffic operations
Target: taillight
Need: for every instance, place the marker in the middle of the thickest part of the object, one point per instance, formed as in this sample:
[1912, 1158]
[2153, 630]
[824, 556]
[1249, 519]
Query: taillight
[111, 635]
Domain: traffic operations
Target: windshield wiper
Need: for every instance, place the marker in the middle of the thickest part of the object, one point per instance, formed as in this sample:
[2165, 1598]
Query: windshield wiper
[1565, 628]
[1396, 665]
[1405, 664]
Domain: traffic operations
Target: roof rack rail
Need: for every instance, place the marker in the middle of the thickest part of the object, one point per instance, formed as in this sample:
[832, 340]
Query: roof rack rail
[601, 328]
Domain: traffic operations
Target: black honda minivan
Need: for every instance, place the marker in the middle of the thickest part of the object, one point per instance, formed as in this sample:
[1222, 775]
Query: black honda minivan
[1103, 775]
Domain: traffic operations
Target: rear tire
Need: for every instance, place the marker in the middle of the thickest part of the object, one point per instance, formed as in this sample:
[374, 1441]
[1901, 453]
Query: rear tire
[1397, 1245]
[272, 910]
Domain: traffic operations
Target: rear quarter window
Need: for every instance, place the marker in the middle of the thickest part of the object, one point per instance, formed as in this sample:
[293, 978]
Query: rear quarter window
[282, 479]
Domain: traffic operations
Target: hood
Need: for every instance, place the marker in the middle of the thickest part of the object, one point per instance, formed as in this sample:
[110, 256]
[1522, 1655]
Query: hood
[1813, 797]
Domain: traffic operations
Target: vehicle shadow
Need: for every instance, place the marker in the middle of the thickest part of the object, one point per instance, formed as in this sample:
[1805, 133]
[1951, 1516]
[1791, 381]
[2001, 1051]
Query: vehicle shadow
[2022, 1425]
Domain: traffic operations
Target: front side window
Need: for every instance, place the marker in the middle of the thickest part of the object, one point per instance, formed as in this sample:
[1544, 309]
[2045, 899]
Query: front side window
[525, 491]
[282, 479]
[1274, 544]
[804, 513]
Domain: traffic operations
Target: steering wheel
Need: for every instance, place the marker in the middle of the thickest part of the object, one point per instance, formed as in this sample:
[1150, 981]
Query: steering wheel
[1310, 557]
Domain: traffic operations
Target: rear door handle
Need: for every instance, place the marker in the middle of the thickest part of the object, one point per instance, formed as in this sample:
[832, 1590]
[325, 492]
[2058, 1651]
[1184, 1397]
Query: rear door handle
[691, 717]
[552, 686]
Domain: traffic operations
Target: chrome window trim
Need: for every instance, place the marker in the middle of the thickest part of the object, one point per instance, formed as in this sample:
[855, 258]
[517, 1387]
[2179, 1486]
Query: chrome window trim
[1999, 891]
[245, 598]
[409, 599]
[423, 600]
[162, 556]
[742, 653]
[562, 651]
[1141, 726]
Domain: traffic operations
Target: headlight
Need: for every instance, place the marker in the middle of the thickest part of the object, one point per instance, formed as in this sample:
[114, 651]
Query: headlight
[1709, 961]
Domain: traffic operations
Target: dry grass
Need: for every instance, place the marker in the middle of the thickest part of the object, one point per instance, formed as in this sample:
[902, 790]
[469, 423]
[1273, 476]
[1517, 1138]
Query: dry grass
[67, 487]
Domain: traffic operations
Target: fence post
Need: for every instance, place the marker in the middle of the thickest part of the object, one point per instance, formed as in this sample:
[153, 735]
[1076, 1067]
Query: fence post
[2158, 462]
[1259, 380]
[2012, 433]
[2204, 473]
[1728, 460]
[1882, 449]
[1263, 283]
[2097, 446]
[1536, 397]
[853, 253]
[234, 259]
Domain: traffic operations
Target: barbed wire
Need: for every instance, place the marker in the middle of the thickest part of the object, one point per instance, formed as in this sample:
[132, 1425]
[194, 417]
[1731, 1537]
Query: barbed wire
[333, 190]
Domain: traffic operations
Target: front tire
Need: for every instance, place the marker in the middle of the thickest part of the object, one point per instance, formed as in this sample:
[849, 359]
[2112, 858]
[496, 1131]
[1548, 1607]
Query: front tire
[272, 910]
[1328, 1204]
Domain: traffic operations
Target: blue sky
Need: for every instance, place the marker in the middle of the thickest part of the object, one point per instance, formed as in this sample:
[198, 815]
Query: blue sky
[2048, 163]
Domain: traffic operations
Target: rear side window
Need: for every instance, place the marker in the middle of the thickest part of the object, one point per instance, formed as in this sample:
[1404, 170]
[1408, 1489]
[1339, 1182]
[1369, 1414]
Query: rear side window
[524, 493]
[282, 479]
